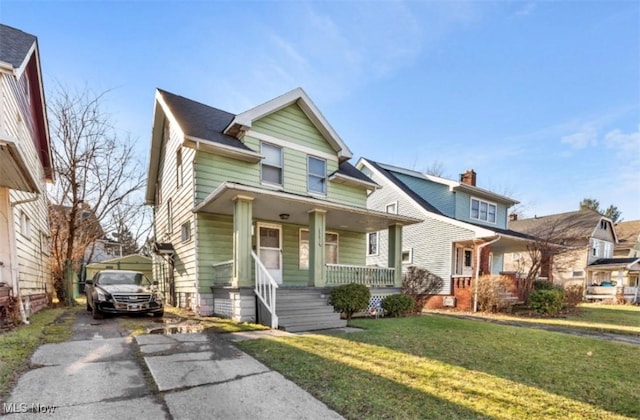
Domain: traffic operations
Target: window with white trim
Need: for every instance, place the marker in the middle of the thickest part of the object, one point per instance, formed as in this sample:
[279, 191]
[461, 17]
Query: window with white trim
[316, 175]
[483, 210]
[392, 208]
[330, 249]
[25, 225]
[185, 232]
[595, 250]
[577, 273]
[271, 165]
[372, 243]
[407, 256]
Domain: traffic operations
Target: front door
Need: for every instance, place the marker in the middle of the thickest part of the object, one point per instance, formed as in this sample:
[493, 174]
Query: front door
[270, 249]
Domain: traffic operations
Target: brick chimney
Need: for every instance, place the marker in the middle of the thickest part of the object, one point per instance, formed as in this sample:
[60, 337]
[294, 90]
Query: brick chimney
[469, 177]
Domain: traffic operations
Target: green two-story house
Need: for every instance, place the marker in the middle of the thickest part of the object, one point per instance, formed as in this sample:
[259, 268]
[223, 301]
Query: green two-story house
[256, 214]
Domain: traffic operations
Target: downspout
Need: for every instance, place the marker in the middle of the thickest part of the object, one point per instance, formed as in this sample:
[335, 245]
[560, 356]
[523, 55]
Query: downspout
[477, 270]
[14, 257]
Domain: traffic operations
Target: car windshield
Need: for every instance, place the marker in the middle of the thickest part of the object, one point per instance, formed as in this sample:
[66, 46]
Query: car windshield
[107, 279]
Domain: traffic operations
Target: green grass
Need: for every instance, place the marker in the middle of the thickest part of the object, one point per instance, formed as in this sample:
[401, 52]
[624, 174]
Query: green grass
[17, 345]
[441, 367]
[589, 317]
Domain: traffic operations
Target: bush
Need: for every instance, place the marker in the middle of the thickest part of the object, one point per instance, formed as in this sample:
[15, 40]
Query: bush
[350, 298]
[542, 285]
[547, 301]
[398, 304]
[494, 293]
[573, 295]
[421, 285]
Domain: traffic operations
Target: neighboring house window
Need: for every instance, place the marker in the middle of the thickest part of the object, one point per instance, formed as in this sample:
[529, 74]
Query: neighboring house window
[271, 167]
[482, 210]
[169, 217]
[25, 225]
[392, 208]
[330, 248]
[608, 250]
[407, 256]
[185, 231]
[596, 248]
[317, 175]
[179, 167]
[464, 261]
[372, 243]
[603, 224]
[577, 273]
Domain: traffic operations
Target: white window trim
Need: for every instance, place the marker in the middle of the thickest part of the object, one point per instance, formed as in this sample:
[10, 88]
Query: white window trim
[325, 244]
[393, 203]
[488, 203]
[377, 244]
[185, 227]
[410, 260]
[25, 225]
[325, 178]
[262, 181]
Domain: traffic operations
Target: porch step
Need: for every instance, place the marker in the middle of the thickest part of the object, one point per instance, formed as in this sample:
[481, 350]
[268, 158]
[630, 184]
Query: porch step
[305, 309]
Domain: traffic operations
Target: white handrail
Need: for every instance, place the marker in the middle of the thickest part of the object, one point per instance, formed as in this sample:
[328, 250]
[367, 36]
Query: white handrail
[266, 288]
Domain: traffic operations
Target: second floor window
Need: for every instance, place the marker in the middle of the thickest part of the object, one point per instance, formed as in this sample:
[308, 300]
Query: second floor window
[481, 210]
[317, 173]
[271, 167]
[179, 167]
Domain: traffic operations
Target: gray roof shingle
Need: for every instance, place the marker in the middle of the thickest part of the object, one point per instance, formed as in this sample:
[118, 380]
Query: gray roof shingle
[14, 45]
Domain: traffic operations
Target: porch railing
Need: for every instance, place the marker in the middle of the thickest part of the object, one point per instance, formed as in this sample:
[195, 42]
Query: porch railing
[266, 289]
[223, 272]
[369, 276]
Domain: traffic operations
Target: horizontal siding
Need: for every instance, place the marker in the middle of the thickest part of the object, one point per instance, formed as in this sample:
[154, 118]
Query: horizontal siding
[213, 170]
[215, 244]
[292, 124]
[16, 119]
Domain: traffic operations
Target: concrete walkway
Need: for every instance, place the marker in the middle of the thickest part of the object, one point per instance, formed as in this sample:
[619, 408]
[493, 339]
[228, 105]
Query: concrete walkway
[179, 376]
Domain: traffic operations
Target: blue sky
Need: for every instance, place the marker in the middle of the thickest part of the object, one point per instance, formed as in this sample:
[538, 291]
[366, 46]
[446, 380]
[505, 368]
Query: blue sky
[542, 99]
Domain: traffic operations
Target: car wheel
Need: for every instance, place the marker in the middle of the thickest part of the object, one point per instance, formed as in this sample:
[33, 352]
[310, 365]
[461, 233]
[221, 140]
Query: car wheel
[158, 314]
[96, 313]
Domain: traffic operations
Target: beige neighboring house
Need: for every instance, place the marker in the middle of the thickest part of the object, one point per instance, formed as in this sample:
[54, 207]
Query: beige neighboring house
[25, 166]
[591, 262]
[628, 239]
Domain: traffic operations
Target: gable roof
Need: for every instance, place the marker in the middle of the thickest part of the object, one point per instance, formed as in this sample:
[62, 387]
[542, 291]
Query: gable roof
[243, 121]
[15, 45]
[201, 121]
[575, 225]
[628, 233]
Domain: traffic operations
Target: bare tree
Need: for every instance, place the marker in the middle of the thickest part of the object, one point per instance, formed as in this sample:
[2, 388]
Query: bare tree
[96, 170]
[435, 168]
[421, 284]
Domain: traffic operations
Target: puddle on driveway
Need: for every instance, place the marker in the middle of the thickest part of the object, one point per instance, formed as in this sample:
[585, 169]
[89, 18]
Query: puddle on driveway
[177, 329]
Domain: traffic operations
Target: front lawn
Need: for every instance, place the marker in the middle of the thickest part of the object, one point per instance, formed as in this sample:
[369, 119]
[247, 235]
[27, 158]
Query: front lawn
[441, 367]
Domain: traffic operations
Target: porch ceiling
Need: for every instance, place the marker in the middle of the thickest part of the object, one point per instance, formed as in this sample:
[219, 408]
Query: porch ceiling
[14, 172]
[269, 205]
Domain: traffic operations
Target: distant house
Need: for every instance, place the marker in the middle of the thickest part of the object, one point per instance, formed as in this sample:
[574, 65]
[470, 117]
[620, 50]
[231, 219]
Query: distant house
[590, 262]
[25, 166]
[463, 234]
[628, 239]
[257, 213]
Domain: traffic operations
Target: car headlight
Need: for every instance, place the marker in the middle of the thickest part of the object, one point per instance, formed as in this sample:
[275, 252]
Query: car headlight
[102, 296]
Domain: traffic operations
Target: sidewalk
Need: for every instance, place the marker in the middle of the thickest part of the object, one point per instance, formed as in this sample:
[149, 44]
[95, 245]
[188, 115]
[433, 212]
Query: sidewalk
[179, 376]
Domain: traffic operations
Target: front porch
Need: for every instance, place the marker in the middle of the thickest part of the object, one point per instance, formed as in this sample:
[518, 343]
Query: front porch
[613, 280]
[315, 245]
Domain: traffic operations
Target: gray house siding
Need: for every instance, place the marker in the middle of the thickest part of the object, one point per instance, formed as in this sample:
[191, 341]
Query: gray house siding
[440, 196]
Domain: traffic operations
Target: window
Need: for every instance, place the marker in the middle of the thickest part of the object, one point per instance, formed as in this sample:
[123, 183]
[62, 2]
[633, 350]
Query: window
[25, 225]
[330, 248]
[407, 256]
[317, 175]
[596, 248]
[271, 166]
[577, 273]
[608, 250]
[179, 168]
[372, 243]
[185, 231]
[482, 210]
[169, 217]
[603, 224]
[392, 208]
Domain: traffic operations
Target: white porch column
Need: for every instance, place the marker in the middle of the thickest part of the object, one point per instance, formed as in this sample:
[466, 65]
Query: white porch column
[242, 219]
[317, 257]
[395, 252]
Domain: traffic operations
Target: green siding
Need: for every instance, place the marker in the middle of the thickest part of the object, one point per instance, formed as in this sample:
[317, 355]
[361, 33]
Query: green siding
[215, 240]
[293, 125]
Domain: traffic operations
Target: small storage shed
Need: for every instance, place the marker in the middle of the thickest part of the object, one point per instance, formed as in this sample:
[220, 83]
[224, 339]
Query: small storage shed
[130, 262]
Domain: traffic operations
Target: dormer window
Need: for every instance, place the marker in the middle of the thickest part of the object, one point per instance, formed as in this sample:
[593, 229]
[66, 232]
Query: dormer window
[271, 166]
[483, 210]
[603, 224]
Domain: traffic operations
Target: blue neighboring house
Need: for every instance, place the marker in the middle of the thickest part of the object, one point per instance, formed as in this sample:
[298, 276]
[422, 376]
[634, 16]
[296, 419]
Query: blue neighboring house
[463, 234]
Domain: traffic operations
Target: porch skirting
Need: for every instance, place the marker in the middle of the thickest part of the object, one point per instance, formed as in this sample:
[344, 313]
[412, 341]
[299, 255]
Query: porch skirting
[238, 304]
